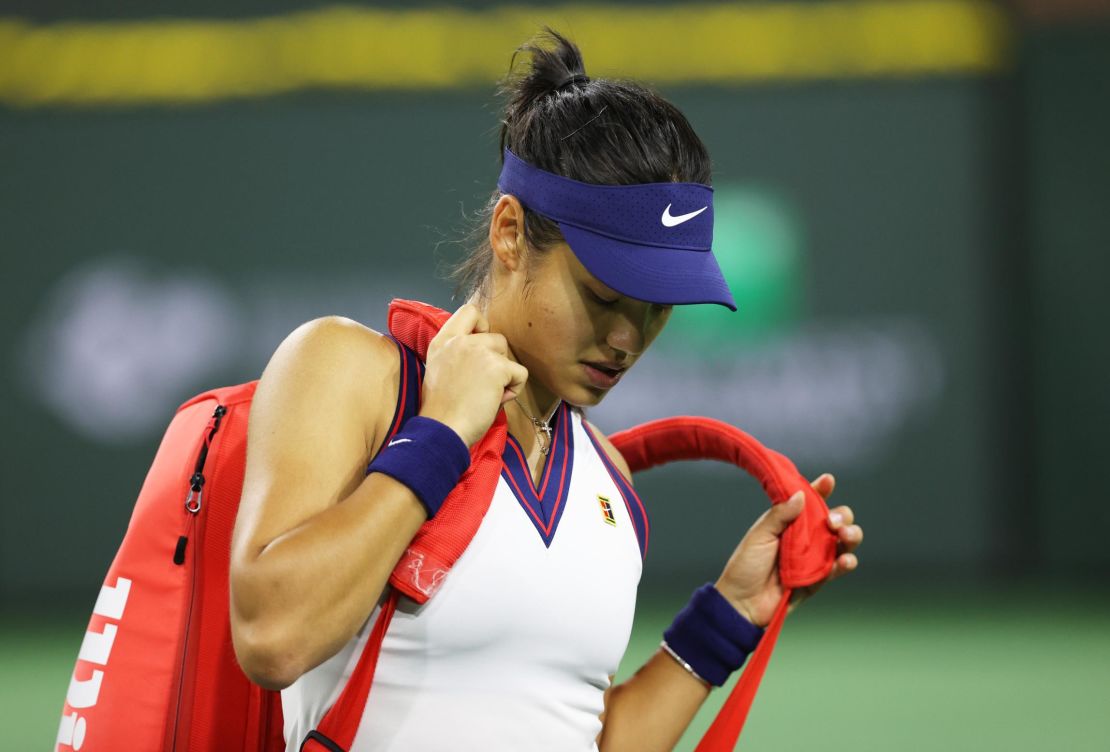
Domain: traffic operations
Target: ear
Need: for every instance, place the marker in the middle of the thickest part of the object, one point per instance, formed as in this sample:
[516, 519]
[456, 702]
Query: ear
[506, 232]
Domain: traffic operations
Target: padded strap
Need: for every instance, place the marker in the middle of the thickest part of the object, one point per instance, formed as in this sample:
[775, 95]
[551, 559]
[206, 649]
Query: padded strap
[808, 549]
[808, 546]
[441, 540]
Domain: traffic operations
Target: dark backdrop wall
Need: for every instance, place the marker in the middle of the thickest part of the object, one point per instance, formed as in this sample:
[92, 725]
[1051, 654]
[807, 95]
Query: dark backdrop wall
[918, 261]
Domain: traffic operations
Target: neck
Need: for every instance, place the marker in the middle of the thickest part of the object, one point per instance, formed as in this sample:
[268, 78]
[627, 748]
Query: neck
[535, 399]
[532, 407]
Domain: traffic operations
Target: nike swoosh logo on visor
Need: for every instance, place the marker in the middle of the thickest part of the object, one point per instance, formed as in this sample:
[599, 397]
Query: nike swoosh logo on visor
[670, 221]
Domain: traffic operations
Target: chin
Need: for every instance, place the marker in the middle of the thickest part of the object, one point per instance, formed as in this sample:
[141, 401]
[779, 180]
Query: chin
[584, 396]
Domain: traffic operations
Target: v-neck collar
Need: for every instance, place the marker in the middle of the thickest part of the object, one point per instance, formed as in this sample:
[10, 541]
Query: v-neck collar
[544, 505]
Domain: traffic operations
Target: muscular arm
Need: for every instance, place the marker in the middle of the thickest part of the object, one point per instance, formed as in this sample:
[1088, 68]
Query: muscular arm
[650, 710]
[315, 540]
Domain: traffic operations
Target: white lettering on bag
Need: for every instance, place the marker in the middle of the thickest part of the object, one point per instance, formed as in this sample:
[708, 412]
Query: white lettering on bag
[96, 648]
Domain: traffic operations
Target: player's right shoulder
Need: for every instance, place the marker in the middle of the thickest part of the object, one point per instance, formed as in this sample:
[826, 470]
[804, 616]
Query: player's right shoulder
[332, 343]
[338, 362]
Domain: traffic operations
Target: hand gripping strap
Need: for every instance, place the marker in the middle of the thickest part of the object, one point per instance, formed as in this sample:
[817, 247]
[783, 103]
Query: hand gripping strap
[808, 548]
[441, 540]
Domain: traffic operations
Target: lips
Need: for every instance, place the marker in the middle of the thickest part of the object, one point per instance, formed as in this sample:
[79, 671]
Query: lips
[602, 374]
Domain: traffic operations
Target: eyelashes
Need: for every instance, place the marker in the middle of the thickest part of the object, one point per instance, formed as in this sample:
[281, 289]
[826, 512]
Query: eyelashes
[606, 303]
[600, 300]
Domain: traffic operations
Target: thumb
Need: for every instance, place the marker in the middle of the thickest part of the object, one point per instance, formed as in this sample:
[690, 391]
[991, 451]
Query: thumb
[781, 515]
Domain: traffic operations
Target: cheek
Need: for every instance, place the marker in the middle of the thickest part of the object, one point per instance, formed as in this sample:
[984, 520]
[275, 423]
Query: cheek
[555, 313]
[657, 324]
[558, 336]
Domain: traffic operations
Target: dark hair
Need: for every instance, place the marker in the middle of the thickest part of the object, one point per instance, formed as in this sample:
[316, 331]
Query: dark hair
[602, 131]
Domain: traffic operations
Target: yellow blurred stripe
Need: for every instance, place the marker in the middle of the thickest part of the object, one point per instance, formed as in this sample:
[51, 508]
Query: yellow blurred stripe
[181, 61]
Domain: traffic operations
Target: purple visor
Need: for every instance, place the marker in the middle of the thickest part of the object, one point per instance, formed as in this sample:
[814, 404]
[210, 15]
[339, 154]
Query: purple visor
[649, 241]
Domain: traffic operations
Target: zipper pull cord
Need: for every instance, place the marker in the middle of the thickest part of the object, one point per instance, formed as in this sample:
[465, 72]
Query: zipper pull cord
[196, 483]
[195, 496]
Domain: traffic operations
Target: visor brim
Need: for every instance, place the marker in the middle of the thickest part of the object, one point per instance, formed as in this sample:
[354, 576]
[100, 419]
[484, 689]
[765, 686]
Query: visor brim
[665, 276]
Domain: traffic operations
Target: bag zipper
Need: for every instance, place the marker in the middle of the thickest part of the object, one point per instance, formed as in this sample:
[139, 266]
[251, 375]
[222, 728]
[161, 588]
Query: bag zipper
[193, 503]
[195, 496]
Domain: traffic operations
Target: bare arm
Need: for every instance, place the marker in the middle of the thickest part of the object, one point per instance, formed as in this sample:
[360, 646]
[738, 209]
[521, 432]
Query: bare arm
[315, 540]
[650, 710]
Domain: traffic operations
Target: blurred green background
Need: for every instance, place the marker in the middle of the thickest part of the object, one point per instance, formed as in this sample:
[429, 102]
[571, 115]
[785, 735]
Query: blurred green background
[912, 209]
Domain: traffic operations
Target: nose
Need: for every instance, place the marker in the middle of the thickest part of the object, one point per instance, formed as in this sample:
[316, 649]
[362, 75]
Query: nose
[628, 332]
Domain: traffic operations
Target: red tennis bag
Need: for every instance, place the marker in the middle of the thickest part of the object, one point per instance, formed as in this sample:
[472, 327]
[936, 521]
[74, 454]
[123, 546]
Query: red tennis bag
[156, 669]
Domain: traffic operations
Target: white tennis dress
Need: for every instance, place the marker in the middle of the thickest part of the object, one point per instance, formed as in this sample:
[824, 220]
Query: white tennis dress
[515, 650]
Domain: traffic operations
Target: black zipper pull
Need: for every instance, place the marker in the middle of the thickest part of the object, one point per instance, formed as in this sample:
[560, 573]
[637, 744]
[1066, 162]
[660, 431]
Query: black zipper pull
[196, 481]
[179, 552]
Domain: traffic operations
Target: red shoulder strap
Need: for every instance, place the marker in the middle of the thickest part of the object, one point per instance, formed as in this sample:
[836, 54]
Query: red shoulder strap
[441, 540]
[336, 730]
[808, 548]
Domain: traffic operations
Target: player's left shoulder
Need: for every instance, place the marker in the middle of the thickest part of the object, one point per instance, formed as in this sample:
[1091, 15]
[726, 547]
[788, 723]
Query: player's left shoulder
[611, 451]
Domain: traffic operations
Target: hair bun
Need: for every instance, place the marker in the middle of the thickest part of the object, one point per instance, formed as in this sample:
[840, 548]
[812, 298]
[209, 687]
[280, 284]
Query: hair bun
[572, 80]
[547, 63]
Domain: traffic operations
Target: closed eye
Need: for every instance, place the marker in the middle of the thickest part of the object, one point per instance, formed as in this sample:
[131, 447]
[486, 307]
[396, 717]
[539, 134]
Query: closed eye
[600, 300]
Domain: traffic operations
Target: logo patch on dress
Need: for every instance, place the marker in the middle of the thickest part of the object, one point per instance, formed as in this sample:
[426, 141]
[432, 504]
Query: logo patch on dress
[607, 510]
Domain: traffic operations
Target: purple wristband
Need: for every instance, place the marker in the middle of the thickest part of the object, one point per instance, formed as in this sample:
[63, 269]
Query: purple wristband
[710, 636]
[427, 456]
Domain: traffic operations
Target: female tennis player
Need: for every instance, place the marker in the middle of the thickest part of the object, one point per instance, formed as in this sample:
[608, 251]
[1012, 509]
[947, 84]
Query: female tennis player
[601, 223]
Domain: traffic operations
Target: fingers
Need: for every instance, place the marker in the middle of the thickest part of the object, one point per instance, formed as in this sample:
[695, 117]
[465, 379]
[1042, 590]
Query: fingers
[494, 341]
[839, 516]
[481, 324]
[849, 537]
[824, 485]
[517, 376]
[514, 375]
[466, 320]
[776, 519]
[844, 564]
[848, 534]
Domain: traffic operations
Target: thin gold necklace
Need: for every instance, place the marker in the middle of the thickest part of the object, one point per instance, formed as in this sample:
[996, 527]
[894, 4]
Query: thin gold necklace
[543, 427]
